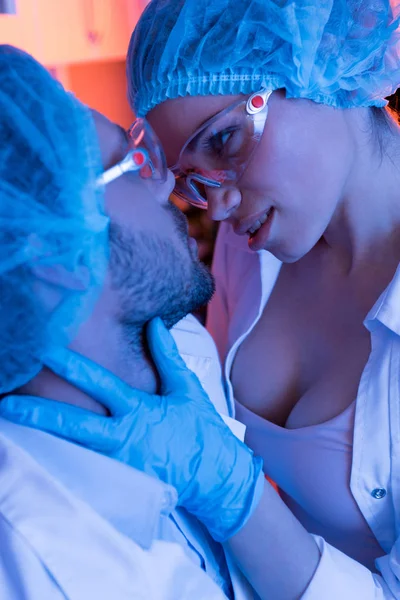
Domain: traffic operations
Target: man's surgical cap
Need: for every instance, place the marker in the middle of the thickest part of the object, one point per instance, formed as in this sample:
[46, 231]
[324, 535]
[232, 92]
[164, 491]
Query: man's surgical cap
[343, 53]
[53, 230]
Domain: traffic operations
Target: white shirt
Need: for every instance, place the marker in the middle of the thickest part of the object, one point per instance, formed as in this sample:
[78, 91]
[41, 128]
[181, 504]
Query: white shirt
[244, 283]
[199, 352]
[54, 546]
[104, 494]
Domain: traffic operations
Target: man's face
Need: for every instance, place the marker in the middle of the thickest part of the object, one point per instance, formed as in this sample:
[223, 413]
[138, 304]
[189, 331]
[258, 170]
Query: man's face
[154, 268]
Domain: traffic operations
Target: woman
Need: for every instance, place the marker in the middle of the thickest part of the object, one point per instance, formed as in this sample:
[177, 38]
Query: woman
[272, 116]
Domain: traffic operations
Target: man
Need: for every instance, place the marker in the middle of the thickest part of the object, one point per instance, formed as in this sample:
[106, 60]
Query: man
[73, 189]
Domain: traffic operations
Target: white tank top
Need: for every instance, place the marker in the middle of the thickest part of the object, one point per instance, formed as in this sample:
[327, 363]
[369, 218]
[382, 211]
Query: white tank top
[311, 467]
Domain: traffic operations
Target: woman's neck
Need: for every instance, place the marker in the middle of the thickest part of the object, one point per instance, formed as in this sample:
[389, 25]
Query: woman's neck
[366, 223]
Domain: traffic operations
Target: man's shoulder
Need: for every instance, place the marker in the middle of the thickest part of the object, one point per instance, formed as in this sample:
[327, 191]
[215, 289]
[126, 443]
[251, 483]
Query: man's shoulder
[192, 337]
[198, 350]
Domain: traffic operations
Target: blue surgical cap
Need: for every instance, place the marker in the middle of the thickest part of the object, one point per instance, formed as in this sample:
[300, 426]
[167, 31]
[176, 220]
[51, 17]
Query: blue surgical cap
[53, 230]
[343, 53]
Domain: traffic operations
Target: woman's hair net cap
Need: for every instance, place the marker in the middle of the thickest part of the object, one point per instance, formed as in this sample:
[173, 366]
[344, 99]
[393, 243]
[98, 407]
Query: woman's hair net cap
[343, 53]
[53, 230]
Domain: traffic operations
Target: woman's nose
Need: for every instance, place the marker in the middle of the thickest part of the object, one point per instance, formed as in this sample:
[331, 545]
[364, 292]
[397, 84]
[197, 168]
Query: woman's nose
[222, 202]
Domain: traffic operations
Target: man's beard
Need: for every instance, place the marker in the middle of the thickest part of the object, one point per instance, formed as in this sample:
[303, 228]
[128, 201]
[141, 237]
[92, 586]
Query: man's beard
[156, 278]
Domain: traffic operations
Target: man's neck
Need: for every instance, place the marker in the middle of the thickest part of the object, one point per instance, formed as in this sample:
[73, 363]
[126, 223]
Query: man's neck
[126, 360]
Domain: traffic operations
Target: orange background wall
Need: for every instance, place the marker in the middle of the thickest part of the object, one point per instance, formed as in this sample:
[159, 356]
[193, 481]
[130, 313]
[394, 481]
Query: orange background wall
[83, 43]
[102, 85]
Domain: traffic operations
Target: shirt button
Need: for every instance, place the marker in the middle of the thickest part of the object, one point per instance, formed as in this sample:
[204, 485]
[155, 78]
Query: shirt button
[378, 493]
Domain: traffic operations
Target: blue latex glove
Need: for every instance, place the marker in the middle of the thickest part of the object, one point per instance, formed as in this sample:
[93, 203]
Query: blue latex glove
[177, 436]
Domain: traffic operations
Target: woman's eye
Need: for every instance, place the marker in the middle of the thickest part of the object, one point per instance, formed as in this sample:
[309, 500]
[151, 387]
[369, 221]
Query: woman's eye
[225, 142]
[224, 137]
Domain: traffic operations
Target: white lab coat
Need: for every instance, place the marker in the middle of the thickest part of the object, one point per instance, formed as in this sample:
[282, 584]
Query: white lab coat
[49, 463]
[54, 546]
[245, 280]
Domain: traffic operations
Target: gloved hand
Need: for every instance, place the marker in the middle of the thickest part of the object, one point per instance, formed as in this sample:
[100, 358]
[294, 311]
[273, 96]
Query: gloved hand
[177, 436]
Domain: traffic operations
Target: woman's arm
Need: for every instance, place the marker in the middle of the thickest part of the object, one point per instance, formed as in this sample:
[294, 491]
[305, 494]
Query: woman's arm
[283, 561]
[277, 555]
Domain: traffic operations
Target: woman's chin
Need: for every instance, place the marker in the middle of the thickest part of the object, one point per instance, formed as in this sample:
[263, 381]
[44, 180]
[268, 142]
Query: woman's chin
[288, 253]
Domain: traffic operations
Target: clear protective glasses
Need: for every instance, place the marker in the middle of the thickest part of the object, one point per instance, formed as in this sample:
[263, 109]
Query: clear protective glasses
[144, 155]
[219, 152]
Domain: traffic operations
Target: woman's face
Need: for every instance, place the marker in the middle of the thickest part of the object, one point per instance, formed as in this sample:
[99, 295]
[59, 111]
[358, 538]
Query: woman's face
[297, 174]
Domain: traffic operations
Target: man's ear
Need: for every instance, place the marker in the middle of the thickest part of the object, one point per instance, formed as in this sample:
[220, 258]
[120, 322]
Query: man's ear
[55, 274]
[59, 276]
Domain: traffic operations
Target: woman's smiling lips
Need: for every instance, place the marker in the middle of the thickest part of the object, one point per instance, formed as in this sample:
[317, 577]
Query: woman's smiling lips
[251, 224]
[258, 240]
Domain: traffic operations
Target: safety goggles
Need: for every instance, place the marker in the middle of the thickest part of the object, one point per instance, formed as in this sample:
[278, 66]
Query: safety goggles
[218, 153]
[144, 155]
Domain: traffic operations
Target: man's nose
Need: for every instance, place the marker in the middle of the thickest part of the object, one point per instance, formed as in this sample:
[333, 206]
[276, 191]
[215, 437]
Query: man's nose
[222, 202]
[163, 190]
[169, 182]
